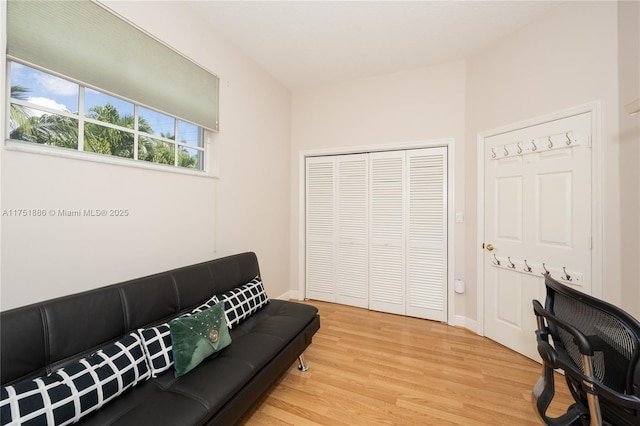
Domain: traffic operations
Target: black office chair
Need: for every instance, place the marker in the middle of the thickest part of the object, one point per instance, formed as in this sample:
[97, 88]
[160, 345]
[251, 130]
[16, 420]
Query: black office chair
[597, 345]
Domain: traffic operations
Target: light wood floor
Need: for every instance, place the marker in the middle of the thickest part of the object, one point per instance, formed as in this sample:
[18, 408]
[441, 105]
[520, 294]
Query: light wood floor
[371, 368]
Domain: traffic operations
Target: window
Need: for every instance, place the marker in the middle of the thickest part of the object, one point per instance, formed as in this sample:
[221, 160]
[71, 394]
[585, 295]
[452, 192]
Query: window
[50, 110]
[97, 84]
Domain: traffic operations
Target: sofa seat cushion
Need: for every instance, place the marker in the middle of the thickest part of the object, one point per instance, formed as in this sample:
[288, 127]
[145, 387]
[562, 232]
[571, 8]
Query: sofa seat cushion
[186, 400]
[255, 349]
[148, 404]
[214, 382]
[278, 318]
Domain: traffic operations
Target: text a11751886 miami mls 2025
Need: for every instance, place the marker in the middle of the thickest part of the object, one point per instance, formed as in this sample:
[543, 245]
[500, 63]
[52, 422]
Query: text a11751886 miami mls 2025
[78, 212]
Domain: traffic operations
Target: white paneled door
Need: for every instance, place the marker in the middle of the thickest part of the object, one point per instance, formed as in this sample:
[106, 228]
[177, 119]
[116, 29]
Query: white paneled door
[376, 231]
[537, 214]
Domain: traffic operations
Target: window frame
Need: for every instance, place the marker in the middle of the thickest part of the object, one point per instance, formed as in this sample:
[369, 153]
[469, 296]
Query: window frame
[209, 168]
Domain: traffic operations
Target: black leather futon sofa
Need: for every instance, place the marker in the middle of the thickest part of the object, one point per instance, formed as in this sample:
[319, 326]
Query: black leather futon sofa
[83, 358]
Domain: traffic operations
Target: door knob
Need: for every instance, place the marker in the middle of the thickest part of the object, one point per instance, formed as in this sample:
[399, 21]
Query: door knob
[489, 247]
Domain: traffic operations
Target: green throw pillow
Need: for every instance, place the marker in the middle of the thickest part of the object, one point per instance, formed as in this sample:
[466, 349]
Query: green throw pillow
[198, 336]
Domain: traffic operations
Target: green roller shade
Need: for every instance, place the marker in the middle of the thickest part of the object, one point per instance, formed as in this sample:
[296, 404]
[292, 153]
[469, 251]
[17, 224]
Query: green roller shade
[86, 42]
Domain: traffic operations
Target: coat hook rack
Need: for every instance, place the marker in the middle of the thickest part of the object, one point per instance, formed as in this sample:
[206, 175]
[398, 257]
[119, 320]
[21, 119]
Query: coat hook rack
[545, 270]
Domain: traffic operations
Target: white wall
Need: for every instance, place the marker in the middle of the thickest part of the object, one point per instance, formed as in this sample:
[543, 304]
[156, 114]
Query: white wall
[421, 104]
[174, 219]
[629, 172]
[564, 59]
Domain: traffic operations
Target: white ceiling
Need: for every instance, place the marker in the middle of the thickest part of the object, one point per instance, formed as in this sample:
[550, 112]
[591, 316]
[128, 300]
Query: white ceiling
[310, 43]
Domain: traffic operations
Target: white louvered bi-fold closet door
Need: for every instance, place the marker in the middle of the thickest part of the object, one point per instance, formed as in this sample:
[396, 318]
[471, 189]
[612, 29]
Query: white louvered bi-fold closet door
[320, 228]
[352, 285]
[426, 272]
[387, 232]
[376, 231]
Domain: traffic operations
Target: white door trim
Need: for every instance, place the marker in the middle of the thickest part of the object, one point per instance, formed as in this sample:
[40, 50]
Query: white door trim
[596, 184]
[446, 142]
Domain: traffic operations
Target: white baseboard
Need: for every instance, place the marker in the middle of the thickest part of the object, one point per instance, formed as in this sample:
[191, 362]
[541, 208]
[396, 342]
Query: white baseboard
[460, 320]
[291, 294]
[469, 324]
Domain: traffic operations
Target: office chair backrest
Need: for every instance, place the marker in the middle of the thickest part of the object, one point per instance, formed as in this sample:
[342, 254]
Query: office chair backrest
[598, 346]
[610, 331]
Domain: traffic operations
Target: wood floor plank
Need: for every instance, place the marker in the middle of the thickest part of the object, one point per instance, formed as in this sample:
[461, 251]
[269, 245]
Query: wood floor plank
[372, 368]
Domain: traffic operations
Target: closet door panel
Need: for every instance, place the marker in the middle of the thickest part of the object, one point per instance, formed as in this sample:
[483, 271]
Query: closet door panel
[427, 233]
[387, 232]
[352, 281]
[320, 229]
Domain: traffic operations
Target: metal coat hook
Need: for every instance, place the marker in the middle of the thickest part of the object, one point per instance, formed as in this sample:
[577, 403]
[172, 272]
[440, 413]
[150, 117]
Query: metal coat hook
[519, 148]
[568, 139]
[526, 268]
[511, 264]
[496, 262]
[533, 145]
[566, 276]
[506, 152]
[550, 143]
[545, 270]
[493, 153]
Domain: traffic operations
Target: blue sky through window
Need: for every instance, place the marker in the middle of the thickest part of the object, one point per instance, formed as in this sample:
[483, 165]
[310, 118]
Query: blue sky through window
[45, 89]
[93, 98]
[189, 133]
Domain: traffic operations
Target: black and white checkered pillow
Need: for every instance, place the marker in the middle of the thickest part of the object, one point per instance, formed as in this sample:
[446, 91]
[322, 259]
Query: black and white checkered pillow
[241, 302]
[72, 392]
[206, 305]
[157, 342]
[157, 348]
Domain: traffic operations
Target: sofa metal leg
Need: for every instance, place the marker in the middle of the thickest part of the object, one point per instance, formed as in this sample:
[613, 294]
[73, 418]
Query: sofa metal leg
[302, 365]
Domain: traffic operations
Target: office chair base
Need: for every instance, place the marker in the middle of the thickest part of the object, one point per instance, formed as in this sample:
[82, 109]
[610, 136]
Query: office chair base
[541, 397]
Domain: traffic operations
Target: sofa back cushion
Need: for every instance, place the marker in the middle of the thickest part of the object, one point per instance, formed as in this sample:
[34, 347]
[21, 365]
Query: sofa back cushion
[233, 271]
[39, 338]
[149, 299]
